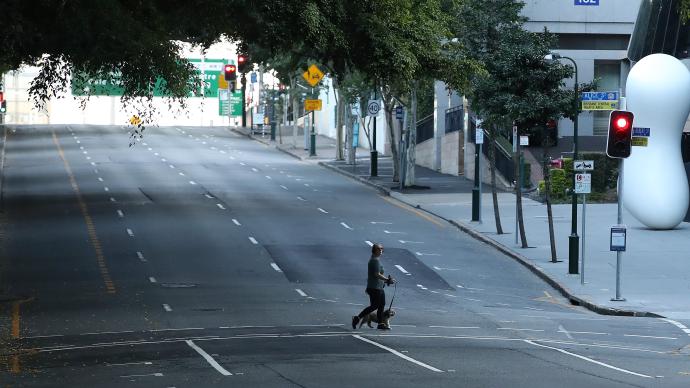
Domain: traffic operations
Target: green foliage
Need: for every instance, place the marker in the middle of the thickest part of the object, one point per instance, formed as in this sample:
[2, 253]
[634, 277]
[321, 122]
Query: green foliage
[560, 184]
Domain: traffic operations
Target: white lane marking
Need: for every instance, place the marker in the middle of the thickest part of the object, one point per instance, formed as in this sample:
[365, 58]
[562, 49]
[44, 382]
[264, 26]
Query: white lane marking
[208, 196]
[371, 244]
[306, 184]
[93, 163]
[322, 211]
[242, 164]
[677, 324]
[112, 199]
[120, 213]
[152, 279]
[222, 152]
[192, 182]
[397, 353]
[401, 269]
[156, 154]
[451, 295]
[443, 269]
[141, 257]
[95, 170]
[220, 206]
[254, 169]
[78, 142]
[88, 158]
[150, 149]
[588, 359]
[301, 199]
[180, 173]
[208, 358]
[106, 188]
[236, 222]
[534, 308]
[130, 233]
[232, 158]
[131, 363]
[86, 152]
[214, 148]
[346, 226]
[455, 327]
[410, 242]
[283, 187]
[267, 177]
[649, 336]
[158, 374]
[586, 332]
[81, 148]
[427, 254]
[275, 266]
[562, 329]
[512, 328]
[171, 166]
[389, 232]
[253, 240]
[164, 160]
[474, 300]
[380, 223]
[302, 293]
[144, 144]
[422, 287]
[167, 307]
[475, 289]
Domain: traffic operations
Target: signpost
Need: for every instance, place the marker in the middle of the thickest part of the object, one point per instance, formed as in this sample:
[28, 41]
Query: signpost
[600, 100]
[235, 103]
[313, 75]
[583, 185]
[640, 137]
[373, 108]
[587, 2]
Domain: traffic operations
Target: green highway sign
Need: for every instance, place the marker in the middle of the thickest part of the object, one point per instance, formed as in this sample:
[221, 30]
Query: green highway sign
[235, 103]
[210, 70]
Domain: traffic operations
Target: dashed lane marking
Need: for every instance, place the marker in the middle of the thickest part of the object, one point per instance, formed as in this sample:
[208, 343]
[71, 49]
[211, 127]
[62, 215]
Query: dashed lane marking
[275, 267]
[130, 232]
[301, 199]
[516, 329]
[158, 374]
[167, 307]
[322, 211]
[371, 244]
[455, 327]
[106, 188]
[220, 206]
[120, 213]
[253, 240]
[192, 183]
[208, 196]
[389, 232]
[112, 199]
[236, 222]
[180, 173]
[152, 279]
[346, 226]
[171, 166]
[410, 242]
[267, 177]
[283, 187]
[401, 269]
[140, 256]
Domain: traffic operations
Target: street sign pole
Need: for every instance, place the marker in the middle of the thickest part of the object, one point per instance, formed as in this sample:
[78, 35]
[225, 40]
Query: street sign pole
[477, 189]
[312, 148]
[584, 237]
[228, 104]
[619, 254]
[515, 148]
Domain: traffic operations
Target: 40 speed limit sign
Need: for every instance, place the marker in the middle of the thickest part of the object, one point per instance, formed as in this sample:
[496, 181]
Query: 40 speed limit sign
[373, 107]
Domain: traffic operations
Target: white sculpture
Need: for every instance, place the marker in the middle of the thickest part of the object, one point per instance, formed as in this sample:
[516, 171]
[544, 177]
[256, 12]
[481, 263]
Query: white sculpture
[655, 186]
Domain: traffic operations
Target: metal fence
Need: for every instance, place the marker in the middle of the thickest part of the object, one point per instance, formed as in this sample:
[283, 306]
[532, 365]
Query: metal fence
[455, 119]
[425, 129]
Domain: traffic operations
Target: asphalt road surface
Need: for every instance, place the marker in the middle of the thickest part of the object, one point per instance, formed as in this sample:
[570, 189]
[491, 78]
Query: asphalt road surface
[200, 258]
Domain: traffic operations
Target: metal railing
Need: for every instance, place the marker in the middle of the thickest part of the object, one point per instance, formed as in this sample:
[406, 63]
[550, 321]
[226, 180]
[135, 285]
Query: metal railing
[455, 119]
[425, 129]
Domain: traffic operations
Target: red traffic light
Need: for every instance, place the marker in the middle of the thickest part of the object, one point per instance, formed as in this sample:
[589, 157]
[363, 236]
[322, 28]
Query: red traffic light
[230, 72]
[241, 59]
[619, 142]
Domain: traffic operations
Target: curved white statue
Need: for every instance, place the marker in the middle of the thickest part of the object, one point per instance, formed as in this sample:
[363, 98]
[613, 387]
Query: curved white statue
[655, 186]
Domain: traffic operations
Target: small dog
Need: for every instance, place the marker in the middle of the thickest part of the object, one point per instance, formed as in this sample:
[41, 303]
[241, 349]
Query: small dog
[371, 317]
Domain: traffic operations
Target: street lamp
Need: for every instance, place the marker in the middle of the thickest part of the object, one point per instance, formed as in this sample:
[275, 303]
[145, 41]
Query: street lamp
[573, 239]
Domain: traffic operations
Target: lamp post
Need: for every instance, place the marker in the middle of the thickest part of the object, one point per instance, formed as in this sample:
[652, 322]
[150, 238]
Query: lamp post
[573, 239]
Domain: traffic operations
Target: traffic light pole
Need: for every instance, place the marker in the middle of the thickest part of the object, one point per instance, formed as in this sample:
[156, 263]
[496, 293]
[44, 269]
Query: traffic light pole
[244, 108]
[374, 153]
[619, 254]
[574, 239]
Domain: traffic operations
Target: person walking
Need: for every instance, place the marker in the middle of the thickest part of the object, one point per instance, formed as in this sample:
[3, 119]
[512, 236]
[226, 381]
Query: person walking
[375, 282]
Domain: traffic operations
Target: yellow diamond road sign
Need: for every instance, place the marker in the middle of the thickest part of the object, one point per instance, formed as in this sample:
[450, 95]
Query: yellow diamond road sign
[313, 75]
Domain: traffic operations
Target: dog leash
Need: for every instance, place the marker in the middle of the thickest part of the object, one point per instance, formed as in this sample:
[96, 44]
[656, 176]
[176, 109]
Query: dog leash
[395, 290]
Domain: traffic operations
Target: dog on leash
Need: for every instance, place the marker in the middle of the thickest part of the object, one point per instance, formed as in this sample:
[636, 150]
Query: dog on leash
[371, 317]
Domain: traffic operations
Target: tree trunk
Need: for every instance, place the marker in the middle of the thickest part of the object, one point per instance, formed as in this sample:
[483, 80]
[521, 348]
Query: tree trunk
[338, 121]
[547, 188]
[411, 147]
[492, 169]
[295, 112]
[518, 192]
[395, 139]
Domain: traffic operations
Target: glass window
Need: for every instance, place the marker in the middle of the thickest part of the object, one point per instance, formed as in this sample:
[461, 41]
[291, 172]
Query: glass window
[608, 74]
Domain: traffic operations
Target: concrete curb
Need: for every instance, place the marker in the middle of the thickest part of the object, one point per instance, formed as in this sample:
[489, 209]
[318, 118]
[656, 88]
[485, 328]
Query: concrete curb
[382, 189]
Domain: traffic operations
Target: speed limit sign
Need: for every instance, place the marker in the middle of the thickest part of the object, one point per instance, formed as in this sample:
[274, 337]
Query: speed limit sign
[373, 107]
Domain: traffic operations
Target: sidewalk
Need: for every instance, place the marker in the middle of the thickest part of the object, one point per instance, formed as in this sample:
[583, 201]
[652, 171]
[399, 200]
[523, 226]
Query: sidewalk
[655, 277]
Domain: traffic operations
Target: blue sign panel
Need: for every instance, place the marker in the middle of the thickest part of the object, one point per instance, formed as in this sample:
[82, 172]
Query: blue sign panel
[641, 132]
[586, 2]
[600, 96]
[399, 112]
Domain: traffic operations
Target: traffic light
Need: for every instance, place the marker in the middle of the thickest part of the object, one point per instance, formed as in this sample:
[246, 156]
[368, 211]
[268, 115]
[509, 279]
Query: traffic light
[619, 142]
[3, 107]
[241, 63]
[230, 72]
